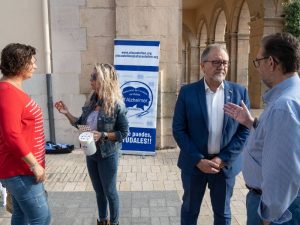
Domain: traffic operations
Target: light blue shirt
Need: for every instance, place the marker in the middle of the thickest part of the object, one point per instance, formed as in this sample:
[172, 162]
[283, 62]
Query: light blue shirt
[272, 152]
[92, 120]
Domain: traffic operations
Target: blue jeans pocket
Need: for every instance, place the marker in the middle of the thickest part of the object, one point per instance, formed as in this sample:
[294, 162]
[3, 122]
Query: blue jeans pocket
[41, 199]
[30, 204]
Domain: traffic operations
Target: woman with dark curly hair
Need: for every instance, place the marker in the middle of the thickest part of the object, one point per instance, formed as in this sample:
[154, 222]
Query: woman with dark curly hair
[105, 114]
[22, 140]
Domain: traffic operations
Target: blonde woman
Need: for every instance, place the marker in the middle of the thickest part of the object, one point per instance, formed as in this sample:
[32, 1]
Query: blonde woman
[105, 113]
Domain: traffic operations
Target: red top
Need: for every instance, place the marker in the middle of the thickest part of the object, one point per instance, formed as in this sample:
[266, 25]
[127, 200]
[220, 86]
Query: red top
[21, 131]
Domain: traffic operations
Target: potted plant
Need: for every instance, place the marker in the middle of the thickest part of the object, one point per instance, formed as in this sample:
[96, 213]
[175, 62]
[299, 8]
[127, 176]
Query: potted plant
[291, 10]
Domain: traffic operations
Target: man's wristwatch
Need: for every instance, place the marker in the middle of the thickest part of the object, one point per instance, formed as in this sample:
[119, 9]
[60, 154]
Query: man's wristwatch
[104, 136]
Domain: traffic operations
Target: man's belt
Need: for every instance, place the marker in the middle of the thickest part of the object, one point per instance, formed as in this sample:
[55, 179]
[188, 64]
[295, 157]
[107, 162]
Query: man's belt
[210, 156]
[255, 190]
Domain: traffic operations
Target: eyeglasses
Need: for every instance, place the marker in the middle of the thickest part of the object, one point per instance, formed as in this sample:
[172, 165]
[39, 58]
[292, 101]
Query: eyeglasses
[218, 63]
[256, 62]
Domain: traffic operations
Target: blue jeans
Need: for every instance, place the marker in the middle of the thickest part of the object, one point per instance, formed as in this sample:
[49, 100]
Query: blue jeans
[103, 173]
[30, 204]
[252, 202]
[194, 186]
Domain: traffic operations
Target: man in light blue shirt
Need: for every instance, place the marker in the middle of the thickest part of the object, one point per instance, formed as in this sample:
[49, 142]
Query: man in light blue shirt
[271, 165]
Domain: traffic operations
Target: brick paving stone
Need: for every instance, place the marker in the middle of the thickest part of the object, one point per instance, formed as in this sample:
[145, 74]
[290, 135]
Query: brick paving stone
[136, 186]
[149, 186]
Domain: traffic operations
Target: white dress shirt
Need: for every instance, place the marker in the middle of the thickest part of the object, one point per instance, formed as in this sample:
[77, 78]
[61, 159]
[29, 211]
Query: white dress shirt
[215, 104]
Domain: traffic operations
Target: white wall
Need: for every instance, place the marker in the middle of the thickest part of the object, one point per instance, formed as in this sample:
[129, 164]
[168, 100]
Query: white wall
[22, 21]
[68, 39]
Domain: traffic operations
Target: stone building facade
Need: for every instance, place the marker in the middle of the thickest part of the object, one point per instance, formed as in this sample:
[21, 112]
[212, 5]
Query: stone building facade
[82, 33]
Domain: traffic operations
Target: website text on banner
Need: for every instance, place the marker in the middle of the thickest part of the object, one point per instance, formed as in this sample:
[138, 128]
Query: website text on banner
[137, 64]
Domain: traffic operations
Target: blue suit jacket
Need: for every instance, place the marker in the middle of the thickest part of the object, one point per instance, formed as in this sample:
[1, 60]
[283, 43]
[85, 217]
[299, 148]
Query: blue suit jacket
[190, 127]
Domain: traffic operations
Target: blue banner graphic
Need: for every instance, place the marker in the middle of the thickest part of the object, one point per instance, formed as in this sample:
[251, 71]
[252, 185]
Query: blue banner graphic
[137, 64]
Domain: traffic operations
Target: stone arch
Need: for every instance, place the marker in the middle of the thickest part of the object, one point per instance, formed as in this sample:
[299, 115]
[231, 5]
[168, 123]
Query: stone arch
[273, 8]
[264, 20]
[253, 9]
[220, 28]
[190, 55]
[202, 36]
[243, 45]
[238, 42]
[219, 24]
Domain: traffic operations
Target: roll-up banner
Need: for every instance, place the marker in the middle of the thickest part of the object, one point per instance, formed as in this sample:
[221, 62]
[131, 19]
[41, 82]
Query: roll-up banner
[137, 65]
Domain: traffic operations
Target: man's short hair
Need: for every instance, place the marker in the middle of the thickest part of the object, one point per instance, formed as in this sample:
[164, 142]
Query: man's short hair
[205, 53]
[285, 49]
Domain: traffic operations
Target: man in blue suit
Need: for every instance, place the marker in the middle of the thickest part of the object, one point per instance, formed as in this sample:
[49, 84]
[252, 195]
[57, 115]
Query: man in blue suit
[210, 142]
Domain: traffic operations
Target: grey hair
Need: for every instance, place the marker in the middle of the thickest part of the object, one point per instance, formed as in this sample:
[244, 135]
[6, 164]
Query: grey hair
[205, 53]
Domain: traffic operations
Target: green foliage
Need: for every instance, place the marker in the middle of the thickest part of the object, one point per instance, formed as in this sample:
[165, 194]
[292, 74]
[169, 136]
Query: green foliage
[291, 10]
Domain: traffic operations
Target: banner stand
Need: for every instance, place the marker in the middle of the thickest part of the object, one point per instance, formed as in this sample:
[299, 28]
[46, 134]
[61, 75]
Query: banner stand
[137, 65]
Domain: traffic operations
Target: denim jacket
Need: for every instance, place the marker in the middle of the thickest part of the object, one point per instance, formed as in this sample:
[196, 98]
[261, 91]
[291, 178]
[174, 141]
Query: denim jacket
[117, 123]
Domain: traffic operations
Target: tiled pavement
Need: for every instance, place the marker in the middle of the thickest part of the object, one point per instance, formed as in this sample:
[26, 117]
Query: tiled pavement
[150, 191]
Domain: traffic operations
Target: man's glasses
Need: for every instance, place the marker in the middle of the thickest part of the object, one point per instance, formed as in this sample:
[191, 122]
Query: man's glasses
[256, 62]
[218, 63]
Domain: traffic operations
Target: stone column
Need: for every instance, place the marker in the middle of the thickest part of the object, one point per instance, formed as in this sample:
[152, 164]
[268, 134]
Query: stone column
[238, 49]
[157, 20]
[182, 79]
[194, 63]
[242, 59]
[210, 41]
[186, 65]
[231, 45]
[201, 49]
[259, 27]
